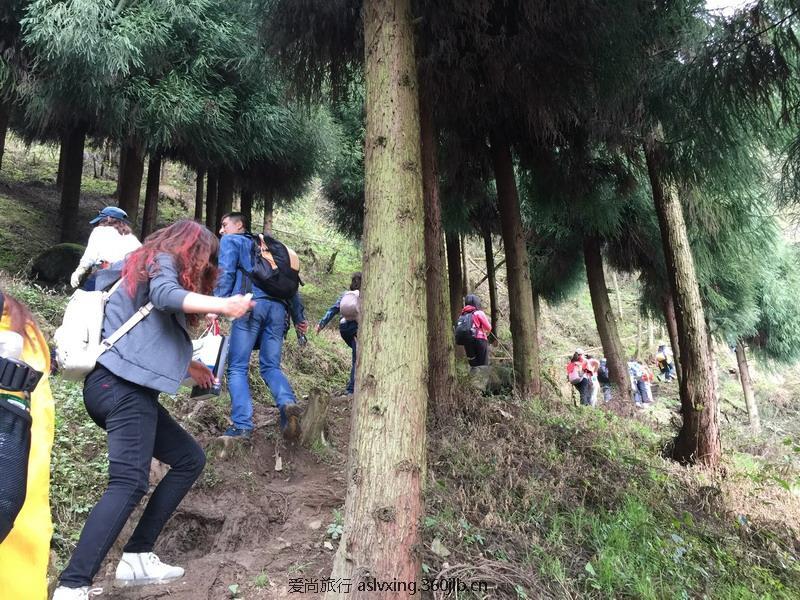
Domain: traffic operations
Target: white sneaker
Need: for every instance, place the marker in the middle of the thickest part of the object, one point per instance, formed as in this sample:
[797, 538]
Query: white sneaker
[81, 593]
[142, 568]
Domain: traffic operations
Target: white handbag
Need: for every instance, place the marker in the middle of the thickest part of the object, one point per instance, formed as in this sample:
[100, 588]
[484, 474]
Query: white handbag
[211, 349]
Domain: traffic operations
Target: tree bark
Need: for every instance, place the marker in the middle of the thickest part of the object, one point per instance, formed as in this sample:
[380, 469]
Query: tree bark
[150, 215]
[199, 195]
[269, 205]
[247, 207]
[383, 508]
[5, 116]
[314, 419]
[211, 200]
[71, 191]
[225, 194]
[454, 274]
[465, 285]
[62, 153]
[520, 293]
[492, 278]
[617, 294]
[441, 347]
[672, 331]
[698, 441]
[747, 387]
[604, 317]
[130, 181]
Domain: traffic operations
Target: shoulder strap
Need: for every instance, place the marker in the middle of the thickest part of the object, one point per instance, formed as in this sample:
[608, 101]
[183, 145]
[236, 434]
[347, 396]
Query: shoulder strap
[137, 317]
[112, 289]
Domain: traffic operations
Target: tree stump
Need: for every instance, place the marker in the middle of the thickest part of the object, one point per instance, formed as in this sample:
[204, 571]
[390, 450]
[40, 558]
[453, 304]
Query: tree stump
[314, 418]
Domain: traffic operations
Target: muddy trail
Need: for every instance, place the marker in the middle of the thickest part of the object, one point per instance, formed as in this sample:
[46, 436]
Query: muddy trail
[245, 523]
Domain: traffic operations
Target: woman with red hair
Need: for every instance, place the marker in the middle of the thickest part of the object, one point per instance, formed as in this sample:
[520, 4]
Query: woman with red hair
[174, 270]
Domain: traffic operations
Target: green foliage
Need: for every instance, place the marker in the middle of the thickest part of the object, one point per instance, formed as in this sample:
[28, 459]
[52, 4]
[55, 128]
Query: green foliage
[777, 330]
[79, 466]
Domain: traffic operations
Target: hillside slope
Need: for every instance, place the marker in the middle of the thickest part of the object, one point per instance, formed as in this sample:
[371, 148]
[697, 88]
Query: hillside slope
[525, 499]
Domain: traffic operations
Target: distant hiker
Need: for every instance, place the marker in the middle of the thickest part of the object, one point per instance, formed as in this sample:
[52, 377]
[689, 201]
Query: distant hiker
[243, 258]
[472, 331]
[349, 305]
[26, 439]
[647, 378]
[604, 380]
[578, 376]
[638, 384]
[110, 241]
[593, 367]
[666, 363]
[174, 270]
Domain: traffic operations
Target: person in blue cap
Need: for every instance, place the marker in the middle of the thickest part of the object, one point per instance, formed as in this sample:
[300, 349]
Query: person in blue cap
[110, 241]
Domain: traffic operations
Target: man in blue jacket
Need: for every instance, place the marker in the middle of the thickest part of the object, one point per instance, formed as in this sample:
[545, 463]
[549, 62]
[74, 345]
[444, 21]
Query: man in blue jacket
[265, 326]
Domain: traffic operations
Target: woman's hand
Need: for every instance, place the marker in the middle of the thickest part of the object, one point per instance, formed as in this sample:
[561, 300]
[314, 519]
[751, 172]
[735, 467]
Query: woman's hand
[201, 374]
[238, 305]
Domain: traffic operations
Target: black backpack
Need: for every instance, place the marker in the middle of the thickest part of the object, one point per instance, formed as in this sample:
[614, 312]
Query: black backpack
[276, 268]
[465, 329]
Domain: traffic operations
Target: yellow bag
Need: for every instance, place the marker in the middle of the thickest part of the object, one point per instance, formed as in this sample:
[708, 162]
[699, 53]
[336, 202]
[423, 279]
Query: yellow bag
[24, 554]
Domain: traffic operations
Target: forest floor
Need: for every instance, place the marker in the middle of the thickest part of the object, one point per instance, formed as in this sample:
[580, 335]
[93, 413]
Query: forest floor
[525, 499]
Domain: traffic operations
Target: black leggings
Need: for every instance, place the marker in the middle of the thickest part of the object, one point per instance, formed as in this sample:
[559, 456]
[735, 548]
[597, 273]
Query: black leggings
[139, 429]
[477, 353]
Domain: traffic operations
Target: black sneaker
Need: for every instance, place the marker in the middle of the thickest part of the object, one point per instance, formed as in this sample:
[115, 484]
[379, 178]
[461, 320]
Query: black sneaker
[235, 432]
[292, 430]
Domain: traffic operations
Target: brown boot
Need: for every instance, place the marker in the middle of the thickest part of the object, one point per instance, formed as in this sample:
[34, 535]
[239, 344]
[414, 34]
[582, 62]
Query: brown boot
[293, 430]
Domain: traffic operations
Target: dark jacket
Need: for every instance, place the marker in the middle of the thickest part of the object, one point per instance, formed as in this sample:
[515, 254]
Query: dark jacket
[235, 256]
[156, 353]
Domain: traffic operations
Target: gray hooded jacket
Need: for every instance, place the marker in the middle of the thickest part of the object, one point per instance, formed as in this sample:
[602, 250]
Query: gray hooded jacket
[157, 351]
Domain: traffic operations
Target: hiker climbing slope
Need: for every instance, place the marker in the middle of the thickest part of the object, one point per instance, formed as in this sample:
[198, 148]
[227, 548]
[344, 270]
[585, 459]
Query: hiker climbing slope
[269, 270]
[349, 305]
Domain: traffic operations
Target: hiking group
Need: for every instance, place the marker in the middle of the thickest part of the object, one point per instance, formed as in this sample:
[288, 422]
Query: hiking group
[127, 334]
[589, 376]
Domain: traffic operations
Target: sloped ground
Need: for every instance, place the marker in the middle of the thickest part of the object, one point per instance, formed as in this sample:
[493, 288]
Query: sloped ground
[534, 500]
[246, 524]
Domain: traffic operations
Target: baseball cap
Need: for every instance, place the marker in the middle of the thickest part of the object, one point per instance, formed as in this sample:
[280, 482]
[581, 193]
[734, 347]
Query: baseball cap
[110, 211]
[579, 351]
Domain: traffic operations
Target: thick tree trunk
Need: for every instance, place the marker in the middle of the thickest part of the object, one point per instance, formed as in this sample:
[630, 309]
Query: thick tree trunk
[225, 194]
[441, 347]
[130, 181]
[247, 207]
[454, 274]
[698, 440]
[384, 508]
[199, 195]
[150, 215]
[747, 387]
[269, 207]
[604, 317]
[520, 293]
[5, 115]
[672, 331]
[211, 200]
[492, 279]
[71, 191]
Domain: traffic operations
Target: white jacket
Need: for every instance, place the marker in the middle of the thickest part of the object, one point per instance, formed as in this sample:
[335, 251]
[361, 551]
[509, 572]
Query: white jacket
[106, 244]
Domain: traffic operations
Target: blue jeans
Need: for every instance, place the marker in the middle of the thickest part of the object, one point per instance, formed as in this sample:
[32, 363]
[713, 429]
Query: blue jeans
[640, 392]
[139, 428]
[264, 326]
[349, 332]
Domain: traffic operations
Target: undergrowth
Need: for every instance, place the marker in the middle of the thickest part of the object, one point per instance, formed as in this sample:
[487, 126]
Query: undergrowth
[548, 501]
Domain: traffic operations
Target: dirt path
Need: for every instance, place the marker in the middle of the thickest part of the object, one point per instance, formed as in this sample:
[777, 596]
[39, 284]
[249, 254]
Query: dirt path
[247, 524]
